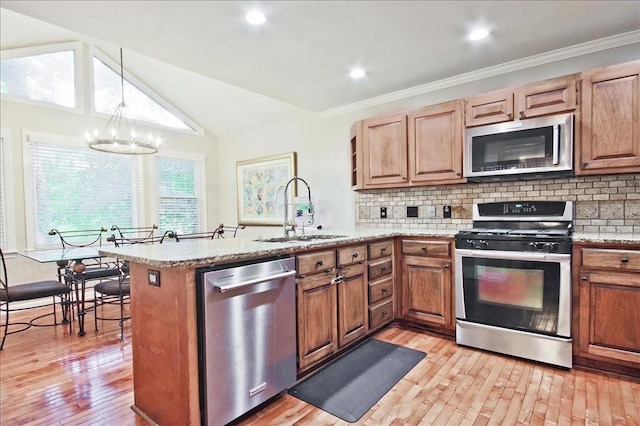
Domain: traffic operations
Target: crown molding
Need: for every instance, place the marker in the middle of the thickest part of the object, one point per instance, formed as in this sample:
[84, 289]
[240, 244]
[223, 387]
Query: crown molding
[504, 68]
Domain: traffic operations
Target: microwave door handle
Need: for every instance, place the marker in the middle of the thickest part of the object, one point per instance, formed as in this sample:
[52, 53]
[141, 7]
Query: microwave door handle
[556, 144]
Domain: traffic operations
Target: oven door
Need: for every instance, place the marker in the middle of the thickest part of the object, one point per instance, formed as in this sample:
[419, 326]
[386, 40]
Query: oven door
[516, 290]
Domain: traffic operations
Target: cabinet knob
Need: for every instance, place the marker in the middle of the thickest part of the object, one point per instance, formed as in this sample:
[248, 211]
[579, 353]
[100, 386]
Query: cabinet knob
[319, 263]
[383, 249]
[624, 260]
[354, 255]
[384, 290]
[384, 313]
[423, 248]
[522, 115]
[447, 265]
[510, 116]
[583, 278]
[384, 268]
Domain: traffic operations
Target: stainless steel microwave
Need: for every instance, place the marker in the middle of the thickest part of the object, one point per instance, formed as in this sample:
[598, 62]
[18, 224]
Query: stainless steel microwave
[527, 149]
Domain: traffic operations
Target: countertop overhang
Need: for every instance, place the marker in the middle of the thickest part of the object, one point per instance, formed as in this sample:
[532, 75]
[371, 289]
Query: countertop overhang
[208, 252]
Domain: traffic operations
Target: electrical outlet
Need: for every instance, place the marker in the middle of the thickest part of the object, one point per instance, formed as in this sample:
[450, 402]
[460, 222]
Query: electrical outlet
[154, 277]
[412, 211]
[446, 212]
[383, 212]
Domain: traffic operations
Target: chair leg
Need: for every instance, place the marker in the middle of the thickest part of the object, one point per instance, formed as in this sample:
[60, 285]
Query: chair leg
[6, 322]
[121, 318]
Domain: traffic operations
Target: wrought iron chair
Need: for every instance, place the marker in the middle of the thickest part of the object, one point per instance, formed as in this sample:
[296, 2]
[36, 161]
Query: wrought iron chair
[117, 291]
[79, 274]
[25, 292]
[210, 235]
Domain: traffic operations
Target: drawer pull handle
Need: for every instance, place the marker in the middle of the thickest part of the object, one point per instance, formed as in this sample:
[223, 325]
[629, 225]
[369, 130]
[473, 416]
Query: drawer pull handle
[319, 263]
[583, 278]
[423, 248]
[384, 290]
[383, 249]
[354, 255]
[447, 266]
[384, 313]
[624, 260]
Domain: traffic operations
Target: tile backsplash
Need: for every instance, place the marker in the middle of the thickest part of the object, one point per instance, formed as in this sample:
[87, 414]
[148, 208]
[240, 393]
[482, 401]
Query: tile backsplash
[601, 203]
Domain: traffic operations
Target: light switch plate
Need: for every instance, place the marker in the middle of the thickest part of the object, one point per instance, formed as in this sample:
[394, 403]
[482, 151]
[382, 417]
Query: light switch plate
[154, 277]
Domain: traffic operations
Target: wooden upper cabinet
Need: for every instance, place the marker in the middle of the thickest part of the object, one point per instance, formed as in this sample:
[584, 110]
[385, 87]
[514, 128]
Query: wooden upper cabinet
[551, 96]
[385, 151]
[435, 144]
[610, 123]
[489, 108]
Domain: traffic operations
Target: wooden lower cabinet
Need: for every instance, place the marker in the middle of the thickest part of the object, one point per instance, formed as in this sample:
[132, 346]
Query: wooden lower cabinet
[352, 305]
[317, 318]
[426, 290]
[607, 312]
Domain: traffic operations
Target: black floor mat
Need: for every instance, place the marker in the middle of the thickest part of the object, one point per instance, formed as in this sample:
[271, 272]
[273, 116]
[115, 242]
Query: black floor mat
[351, 385]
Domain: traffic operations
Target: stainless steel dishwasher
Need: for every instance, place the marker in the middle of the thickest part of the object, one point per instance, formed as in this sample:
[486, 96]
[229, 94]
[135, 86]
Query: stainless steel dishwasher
[247, 336]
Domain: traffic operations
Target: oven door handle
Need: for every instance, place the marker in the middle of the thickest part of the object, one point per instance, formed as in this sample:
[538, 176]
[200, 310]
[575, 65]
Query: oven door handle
[513, 255]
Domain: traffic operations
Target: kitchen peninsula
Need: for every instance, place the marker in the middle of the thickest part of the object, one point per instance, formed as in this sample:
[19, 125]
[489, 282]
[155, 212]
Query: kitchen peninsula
[164, 319]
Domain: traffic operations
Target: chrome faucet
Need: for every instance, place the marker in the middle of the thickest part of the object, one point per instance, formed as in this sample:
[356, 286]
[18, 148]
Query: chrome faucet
[290, 225]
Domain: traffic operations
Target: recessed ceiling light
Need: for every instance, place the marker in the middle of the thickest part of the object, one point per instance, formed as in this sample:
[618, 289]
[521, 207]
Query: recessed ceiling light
[357, 73]
[478, 34]
[255, 17]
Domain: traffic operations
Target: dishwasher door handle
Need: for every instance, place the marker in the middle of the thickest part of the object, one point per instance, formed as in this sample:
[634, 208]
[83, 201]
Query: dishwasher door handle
[223, 288]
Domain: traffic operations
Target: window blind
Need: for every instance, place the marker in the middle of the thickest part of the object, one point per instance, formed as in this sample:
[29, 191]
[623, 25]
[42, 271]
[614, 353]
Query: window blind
[76, 188]
[3, 198]
[181, 197]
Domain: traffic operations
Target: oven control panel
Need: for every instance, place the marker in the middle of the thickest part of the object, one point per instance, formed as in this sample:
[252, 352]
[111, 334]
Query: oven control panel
[523, 208]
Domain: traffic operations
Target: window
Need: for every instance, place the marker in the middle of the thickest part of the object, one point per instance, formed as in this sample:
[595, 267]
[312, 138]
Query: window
[44, 74]
[144, 104]
[181, 195]
[71, 187]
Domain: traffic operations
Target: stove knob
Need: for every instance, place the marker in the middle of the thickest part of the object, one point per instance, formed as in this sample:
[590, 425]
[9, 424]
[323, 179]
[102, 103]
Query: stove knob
[550, 247]
[484, 244]
[534, 246]
[471, 243]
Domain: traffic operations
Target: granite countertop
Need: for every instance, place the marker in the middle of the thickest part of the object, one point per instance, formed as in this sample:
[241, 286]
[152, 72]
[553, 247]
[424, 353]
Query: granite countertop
[610, 238]
[206, 252]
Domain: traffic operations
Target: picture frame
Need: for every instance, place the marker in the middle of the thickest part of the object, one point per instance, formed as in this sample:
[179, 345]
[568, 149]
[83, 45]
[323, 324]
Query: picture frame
[261, 185]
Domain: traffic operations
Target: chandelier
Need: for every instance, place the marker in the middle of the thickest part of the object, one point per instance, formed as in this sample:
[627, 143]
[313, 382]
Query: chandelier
[120, 136]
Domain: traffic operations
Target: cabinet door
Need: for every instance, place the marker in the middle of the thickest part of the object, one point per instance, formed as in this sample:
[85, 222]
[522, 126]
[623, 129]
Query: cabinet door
[610, 140]
[317, 327]
[489, 108]
[435, 144]
[385, 151]
[609, 326]
[547, 97]
[352, 305]
[426, 291]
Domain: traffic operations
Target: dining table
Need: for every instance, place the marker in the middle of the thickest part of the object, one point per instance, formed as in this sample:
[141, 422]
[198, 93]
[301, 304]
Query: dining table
[74, 272]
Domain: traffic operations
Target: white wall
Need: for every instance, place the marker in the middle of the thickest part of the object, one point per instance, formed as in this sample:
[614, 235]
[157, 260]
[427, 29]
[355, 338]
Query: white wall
[323, 149]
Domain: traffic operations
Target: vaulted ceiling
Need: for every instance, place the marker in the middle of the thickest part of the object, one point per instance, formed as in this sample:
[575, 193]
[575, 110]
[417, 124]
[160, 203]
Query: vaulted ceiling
[205, 59]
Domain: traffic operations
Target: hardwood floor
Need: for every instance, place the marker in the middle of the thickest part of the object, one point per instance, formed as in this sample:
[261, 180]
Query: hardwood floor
[48, 377]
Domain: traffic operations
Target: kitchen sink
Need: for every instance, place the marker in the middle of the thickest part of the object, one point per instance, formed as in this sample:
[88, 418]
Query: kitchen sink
[296, 238]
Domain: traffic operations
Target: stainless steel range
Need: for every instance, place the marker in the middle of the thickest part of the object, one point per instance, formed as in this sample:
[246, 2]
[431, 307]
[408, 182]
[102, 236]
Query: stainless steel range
[513, 280]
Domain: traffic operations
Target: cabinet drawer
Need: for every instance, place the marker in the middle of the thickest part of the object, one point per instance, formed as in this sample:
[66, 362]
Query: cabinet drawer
[380, 314]
[313, 263]
[354, 254]
[615, 259]
[380, 268]
[378, 250]
[380, 290]
[426, 248]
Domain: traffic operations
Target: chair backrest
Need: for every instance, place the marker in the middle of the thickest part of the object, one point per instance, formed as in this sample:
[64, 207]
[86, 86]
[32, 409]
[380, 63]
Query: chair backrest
[136, 235]
[3, 273]
[210, 235]
[81, 238]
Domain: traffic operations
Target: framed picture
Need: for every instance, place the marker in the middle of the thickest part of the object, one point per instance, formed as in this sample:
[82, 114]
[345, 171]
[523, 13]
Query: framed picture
[261, 184]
